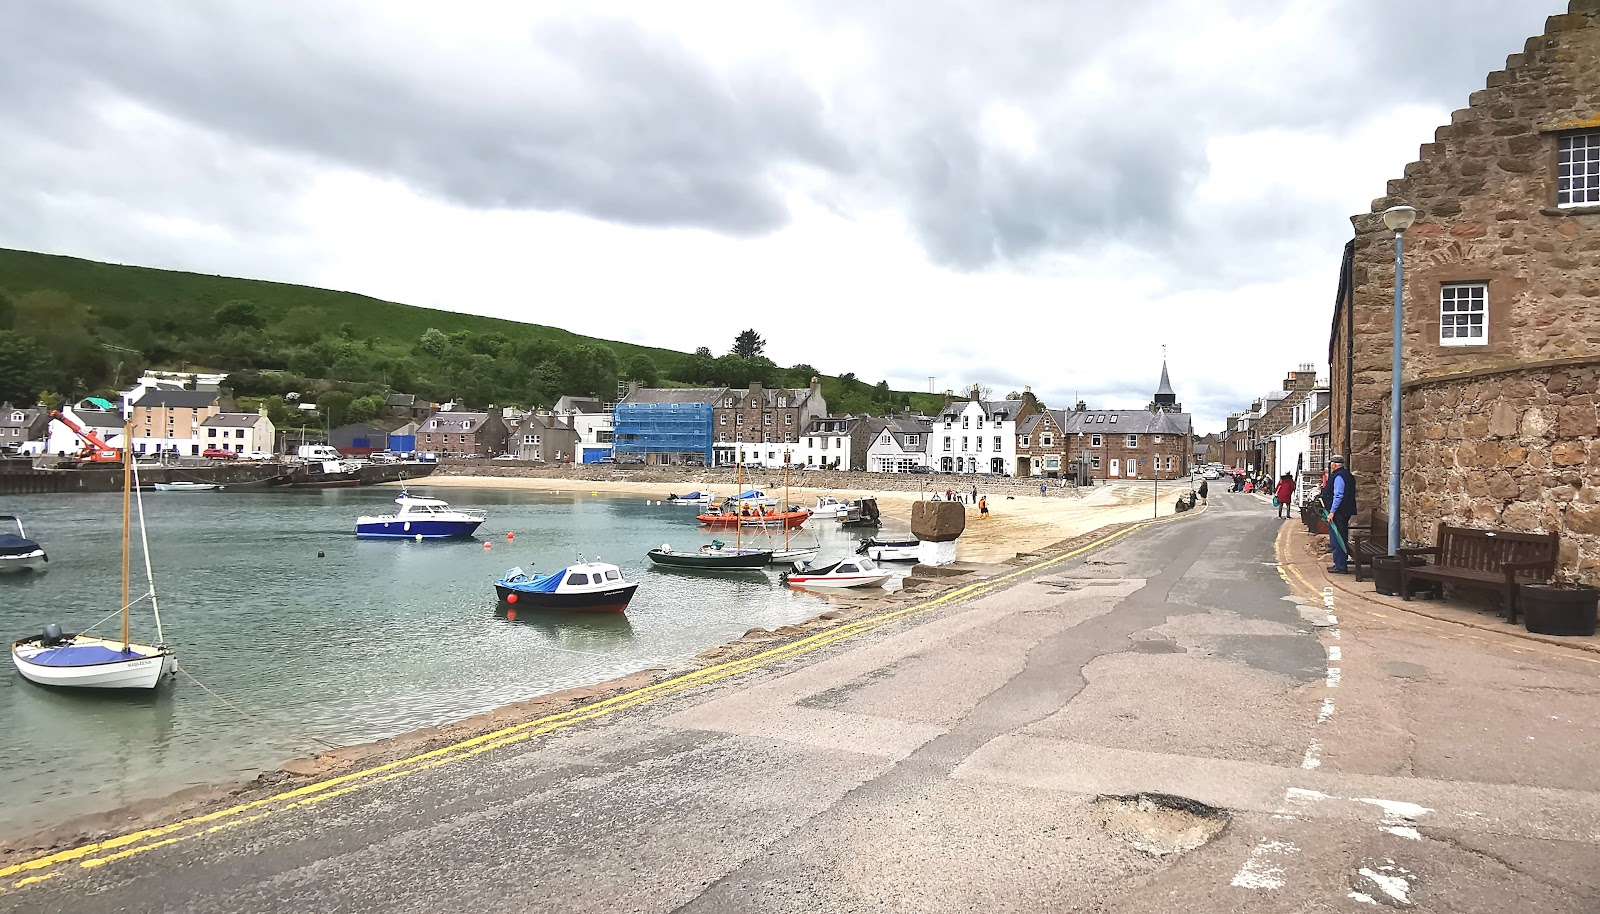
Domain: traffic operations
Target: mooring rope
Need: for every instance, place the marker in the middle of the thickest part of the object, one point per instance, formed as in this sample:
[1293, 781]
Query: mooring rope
[242, 712]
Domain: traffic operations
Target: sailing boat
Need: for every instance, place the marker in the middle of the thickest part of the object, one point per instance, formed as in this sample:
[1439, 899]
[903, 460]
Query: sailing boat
[790, 554]
[716, 556]
[88, 661]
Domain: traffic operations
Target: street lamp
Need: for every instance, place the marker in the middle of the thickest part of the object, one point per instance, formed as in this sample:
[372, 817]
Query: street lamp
[1397, 219]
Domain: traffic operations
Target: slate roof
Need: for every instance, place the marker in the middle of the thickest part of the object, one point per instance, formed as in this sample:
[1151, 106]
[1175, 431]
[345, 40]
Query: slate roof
[1319, 423]
[578, 405]
[458, 422]
[400, 400]
[232, 420]
[1126, 422]
[850, 423]
[30, 417]
[94, 418]
[706, 395]
[990, 407]
[181, 399]
[900, 428]
[1166, 385]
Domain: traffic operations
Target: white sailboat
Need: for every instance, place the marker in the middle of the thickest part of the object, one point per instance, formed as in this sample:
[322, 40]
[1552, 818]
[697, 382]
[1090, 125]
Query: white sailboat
[85, 661]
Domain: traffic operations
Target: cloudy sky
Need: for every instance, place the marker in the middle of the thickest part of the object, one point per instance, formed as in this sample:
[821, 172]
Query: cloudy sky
[1011, 192]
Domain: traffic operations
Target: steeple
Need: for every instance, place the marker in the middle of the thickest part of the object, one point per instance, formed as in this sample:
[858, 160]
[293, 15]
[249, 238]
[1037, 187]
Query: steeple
[1165, 401]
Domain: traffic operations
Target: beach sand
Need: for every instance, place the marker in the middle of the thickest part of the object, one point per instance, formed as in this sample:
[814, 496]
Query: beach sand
[1023, 524]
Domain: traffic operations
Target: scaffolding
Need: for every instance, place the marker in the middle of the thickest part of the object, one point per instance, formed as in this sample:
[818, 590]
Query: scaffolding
[666, 430]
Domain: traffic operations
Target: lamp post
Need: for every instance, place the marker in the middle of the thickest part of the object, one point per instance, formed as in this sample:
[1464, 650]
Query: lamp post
[1398, 219]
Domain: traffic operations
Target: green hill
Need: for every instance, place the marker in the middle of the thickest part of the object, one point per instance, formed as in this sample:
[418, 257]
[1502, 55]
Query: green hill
[95, 325]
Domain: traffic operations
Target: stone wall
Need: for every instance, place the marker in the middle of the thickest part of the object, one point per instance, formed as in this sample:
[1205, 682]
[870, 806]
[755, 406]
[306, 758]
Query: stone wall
[1514, 449]
[1485, 192]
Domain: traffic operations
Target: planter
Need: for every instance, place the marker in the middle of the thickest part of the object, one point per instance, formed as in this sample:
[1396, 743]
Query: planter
[1559, 609]
[1386, 576]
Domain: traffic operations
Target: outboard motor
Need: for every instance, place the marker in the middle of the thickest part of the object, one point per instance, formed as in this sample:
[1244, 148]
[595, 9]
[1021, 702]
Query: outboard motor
[52, 635]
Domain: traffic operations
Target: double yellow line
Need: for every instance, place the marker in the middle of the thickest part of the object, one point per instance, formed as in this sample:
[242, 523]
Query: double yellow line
[101, 853]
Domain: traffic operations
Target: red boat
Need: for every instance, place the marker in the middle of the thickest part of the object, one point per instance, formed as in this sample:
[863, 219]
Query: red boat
[776, 520]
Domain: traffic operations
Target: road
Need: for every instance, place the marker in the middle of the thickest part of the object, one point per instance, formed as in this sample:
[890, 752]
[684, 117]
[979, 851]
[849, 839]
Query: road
[977, 754]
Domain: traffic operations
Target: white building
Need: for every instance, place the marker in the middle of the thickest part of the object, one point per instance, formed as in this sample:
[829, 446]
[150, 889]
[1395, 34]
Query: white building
[593, 424]
[977, 436]
[105, 424]
[1292, 446]
[828, 443]
[242, 433]
[898, 444]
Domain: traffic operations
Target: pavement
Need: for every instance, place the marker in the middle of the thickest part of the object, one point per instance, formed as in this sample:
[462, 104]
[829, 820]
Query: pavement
[1171, 721]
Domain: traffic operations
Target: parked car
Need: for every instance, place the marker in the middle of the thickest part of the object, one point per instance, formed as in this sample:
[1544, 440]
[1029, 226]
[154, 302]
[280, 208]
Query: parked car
[920, 470]
[217, 453]
[258, 455]
[507, 457]
[606, 460]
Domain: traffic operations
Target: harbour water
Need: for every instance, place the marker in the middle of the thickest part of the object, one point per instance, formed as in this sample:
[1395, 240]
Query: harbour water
[371, 639]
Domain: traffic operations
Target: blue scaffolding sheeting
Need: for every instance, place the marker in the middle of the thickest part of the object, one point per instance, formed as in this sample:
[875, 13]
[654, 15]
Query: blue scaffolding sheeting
[663, 428]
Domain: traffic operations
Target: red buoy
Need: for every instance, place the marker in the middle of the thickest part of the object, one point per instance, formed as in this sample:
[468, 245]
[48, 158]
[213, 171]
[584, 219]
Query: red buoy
[511, 598]
[510, 535]
[486, 544]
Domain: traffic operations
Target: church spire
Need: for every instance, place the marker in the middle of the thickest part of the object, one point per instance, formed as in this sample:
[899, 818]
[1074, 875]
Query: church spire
[1166, 400]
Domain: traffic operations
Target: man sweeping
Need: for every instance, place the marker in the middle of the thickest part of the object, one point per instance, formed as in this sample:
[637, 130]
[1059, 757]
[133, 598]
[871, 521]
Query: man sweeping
[1339, 499]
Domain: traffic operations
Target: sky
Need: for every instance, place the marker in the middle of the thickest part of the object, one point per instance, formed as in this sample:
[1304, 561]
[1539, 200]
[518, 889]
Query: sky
[1011, 193]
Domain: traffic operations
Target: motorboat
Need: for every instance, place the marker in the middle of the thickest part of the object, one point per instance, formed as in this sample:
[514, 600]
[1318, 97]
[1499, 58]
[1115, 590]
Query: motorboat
[17, 552]
[715, 556]
[851, 572]
[692, 498]
[829, 507]
[863, 512]
[419, 518]
[891, 550]
[89, 662]
[188, 487]
[583, 587]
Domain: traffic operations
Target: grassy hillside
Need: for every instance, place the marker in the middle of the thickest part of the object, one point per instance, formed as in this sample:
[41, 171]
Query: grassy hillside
[97, 324]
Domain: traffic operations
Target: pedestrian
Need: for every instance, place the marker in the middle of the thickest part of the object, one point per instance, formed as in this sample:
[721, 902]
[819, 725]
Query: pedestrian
[1284, 495]
[974, 494]
[983, 508]
[1203, 490]
[1044, 490]
[1339, 498]
[949, 495]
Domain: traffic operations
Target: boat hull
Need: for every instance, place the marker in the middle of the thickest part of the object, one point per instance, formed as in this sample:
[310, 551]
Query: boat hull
[25, 561]
[145, 669]
[391, 528]
[711, 562]
[763, 521]
[613, 599]
[868, 580]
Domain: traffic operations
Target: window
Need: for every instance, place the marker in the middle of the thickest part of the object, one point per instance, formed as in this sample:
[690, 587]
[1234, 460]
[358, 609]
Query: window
[1099, 418]
[782, 402]
[1094, 441]
[963, 443]
[1158, 437]
[723, 419]
[1047, 440]
[980, 443]
[913, 440]
[1463, 314]
[812, 442]
[1094, 461]
[238, 433]
[766, 419]
[728, 402]
[1578, 170]
[965, 420]
[1023, 442]
[575, 578]
[211, 433]
[789, 419]
[997, 443]
[1113, 419]
[1133, 441]
[738, 420]
[980, 422]
[947, 442]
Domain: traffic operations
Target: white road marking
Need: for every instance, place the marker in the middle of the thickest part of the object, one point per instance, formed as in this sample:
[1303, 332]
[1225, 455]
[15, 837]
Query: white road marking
[1312, 758]
[1259, 872]
[1335, 653]
[1326, 714]
[1397, 887]
[1404, 831]
[1333, 677]
[1333, 619]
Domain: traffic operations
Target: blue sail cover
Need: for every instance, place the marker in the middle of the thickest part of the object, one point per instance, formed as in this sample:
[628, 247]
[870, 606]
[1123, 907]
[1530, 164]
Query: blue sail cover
[541, 583]
[81, 655]
[753, 493]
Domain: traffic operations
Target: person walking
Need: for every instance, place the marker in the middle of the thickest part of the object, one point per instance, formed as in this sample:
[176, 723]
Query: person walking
[1203, 490]
[1339, 497]
[1044, 490]
[1284, 493]
[974, 494]
[983, 508]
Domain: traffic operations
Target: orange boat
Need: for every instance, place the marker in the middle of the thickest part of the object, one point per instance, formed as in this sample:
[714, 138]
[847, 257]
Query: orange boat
[770, 520]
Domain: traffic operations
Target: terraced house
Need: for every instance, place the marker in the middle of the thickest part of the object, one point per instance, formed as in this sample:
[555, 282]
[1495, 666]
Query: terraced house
[978, 436]
[1041, 446]
[766, 423]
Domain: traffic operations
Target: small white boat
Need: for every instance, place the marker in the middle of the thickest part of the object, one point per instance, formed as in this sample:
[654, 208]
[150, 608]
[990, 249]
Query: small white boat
[852, 572]
[829, 507]
[17, 552]
[188, 487]
[419, 518]
[88, 662]
[906, 550]
[692, 498]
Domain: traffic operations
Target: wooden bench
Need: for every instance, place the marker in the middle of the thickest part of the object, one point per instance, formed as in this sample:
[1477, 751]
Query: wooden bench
[1368, 540]
[1496, 559]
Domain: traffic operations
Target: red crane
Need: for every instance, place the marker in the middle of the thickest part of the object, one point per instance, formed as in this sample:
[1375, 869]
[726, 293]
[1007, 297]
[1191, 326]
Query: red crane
[94, 450]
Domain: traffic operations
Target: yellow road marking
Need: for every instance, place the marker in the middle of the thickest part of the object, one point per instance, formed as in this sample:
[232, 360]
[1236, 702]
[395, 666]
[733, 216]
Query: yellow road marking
[139, 842]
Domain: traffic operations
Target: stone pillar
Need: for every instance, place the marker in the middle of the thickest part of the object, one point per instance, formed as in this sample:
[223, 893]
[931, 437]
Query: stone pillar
[937, 524]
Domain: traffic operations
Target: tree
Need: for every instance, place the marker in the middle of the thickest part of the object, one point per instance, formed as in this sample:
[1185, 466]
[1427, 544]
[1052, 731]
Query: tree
[748, 345]
[364, 409]
[704, 352]
[304, 325]
[25, 368]
[239, 312]
[8, 312]
[642, 368]
[335, 407]
[433, 342]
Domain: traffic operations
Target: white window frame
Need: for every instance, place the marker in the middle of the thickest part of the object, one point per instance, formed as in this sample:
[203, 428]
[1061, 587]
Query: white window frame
[1024, 442]
[1468, 294]
[1094, 441]
[1133, 441]
[1046, 440]
[1094, 461]
[913, 440]
[1577, 170]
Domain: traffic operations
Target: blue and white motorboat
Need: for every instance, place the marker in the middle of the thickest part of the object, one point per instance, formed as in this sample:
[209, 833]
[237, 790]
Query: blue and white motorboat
[17, 552]
[586, 586]
[419, 518]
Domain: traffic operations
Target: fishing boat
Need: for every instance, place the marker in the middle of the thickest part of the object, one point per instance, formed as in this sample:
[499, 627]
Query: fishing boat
[716, 556]
[17, 552]
[829, 507]
[85, 661]
[188, 487]
[583, 587]
[886, 550]
[863, 512]
[692, 498]
[767, 518]
[854, 572]
[419, 518]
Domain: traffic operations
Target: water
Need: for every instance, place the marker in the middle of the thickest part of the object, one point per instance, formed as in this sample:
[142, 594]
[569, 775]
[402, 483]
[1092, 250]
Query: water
[373, 639]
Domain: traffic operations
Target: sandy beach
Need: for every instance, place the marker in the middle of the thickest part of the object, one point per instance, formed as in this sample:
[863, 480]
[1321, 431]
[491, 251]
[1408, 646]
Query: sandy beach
[1020, 524]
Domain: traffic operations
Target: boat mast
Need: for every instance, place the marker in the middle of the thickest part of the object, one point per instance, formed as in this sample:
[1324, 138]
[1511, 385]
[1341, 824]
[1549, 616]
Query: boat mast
[738, 480]
[786, 500]
[127, 504]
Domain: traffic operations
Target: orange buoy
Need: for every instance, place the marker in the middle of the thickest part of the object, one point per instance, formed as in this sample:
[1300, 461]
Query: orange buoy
[511, 598]
[487, 545]
[510, 535]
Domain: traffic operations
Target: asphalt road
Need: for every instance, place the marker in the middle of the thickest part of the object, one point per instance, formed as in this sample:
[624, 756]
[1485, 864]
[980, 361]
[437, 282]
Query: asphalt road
[976, 757]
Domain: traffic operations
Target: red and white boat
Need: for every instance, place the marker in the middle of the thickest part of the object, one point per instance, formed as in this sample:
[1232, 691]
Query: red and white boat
[767, 520]
[857, 571]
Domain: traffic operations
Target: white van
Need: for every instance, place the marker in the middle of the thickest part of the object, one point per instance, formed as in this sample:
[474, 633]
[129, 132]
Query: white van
[317, 452]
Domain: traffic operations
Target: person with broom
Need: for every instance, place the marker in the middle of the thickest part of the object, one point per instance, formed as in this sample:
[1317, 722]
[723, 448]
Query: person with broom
[1339, 502]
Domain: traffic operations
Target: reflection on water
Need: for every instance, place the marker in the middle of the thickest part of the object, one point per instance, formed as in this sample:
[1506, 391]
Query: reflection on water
[368, 639]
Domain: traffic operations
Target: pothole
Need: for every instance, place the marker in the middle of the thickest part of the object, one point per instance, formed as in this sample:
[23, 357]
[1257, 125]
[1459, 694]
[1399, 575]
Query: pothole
[1160, 824]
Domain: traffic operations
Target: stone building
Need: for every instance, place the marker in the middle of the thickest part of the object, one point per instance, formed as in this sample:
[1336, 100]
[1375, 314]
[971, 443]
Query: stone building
[1041, 445]
[1501, 342]
[1276, 412]
[1156, 442]
[765, 420]
[169, 420]
[459, 433]
[835, 443]
[545, 438]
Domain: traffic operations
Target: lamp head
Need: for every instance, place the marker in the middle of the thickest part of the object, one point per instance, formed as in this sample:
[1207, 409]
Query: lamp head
[1399, 218]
